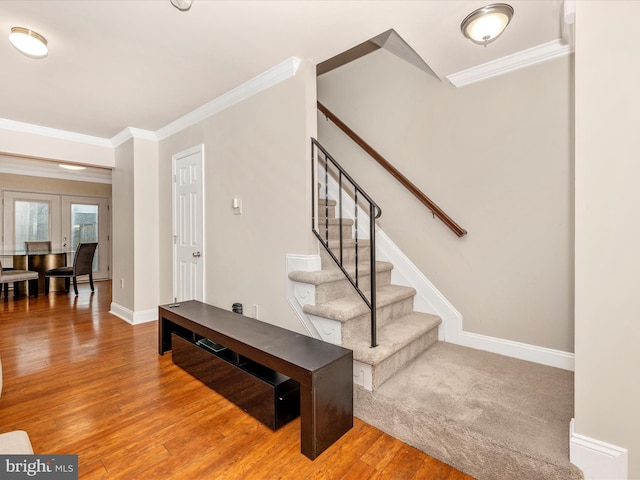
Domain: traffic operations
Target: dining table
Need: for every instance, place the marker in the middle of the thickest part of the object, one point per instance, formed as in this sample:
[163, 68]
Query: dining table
[39, 262]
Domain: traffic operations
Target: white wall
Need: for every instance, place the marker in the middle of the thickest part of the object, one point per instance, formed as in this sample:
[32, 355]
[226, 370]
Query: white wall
[145, 236]
[607, 390]
[9, 181]
[40, 143]
[258, 151]
[135, 231]
[123, 227]
[497, 157]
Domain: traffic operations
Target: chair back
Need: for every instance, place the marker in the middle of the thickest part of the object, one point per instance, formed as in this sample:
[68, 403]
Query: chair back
[83, 262]
[36, 247]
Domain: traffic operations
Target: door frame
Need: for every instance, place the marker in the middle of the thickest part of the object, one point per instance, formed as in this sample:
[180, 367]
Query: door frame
[175, 219]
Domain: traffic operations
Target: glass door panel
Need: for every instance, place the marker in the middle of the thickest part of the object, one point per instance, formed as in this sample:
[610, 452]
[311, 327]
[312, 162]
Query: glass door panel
[86, 219]
[31, 222]
[30, 216]
[84, 227]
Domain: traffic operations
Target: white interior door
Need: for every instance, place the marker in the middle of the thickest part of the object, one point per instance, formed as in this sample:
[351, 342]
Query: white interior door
[188, 220]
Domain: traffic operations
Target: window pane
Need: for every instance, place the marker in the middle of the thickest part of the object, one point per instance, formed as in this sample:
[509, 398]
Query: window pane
[84, 227]
[31, 222]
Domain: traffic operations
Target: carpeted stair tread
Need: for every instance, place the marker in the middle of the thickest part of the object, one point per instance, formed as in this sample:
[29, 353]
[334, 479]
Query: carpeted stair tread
[392, 337]
[334, 244]
[333, 222]
[349, 307]
[319, 277]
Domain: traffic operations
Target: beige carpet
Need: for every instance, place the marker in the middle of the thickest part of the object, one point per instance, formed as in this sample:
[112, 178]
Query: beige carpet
[493, 417]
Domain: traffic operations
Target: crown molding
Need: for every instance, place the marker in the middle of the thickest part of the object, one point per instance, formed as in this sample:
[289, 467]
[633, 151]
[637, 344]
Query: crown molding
[46, 168]
[510, 63]
[267, 79]
[32, 129]
[129, 133]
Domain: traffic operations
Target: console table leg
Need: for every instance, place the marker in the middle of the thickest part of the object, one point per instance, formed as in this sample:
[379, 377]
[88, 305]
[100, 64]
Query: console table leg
[326, 407]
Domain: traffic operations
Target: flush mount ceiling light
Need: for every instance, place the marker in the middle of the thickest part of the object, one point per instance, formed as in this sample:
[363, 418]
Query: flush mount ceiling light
[182, 5]
[30, 43]
[485, 24]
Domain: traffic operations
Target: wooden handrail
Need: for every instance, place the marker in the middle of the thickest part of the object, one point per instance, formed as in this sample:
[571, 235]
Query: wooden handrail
[435, 209]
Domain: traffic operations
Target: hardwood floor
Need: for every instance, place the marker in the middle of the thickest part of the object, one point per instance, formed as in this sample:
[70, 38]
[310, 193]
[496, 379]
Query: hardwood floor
[82, 381]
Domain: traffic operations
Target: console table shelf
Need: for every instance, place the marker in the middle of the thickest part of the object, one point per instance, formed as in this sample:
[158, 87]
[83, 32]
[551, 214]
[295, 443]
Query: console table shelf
[260, 357]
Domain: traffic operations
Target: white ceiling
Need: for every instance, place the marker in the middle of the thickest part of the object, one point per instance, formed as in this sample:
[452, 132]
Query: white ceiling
[142, 63]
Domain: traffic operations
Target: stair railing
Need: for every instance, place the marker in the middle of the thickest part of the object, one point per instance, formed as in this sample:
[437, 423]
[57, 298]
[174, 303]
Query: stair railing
[325, 166]
[436, 211]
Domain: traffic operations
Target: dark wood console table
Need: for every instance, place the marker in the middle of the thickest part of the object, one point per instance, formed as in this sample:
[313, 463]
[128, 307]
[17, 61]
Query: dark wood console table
[323, 370]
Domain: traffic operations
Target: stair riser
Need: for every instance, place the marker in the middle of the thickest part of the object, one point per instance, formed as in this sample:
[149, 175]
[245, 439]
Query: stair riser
[322, 212]
[327, 292]
[348, 255]
[389, 366]
[334, 231]
[361, 325]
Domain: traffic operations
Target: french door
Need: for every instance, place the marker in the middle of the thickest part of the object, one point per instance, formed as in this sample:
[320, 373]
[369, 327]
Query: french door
[63, 220]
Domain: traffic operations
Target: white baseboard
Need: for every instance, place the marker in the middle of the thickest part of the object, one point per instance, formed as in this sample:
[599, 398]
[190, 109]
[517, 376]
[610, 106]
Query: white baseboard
[509, 348]
[597, 460]
[134, 318]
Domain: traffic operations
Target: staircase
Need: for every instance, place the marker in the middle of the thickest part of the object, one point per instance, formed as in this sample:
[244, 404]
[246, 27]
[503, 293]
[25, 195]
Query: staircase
[340, 316]
[493, 417]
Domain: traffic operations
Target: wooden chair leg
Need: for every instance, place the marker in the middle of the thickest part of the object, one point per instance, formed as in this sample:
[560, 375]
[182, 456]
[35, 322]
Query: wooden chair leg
[6, 291]
[46, 285]
[34, 287]
[66, 284]
[91, 281]
[75, 285]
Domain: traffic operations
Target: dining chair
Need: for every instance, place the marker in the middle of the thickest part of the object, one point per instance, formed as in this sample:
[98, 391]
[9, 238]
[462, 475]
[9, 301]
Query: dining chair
[16, 276]
[37, 247]
[82, 265]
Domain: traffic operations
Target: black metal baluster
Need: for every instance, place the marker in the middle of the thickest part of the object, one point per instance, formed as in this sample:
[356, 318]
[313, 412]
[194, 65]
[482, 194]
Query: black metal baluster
[374, 212]
[372, 258]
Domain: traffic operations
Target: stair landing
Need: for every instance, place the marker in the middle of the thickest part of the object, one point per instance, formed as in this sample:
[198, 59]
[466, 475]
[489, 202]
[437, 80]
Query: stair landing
[491, 416]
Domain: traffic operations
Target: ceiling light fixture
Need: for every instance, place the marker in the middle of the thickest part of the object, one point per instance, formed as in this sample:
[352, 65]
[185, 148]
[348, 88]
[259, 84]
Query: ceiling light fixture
[182, 5]
[30, 43]
[485, 24]
[71, 167]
